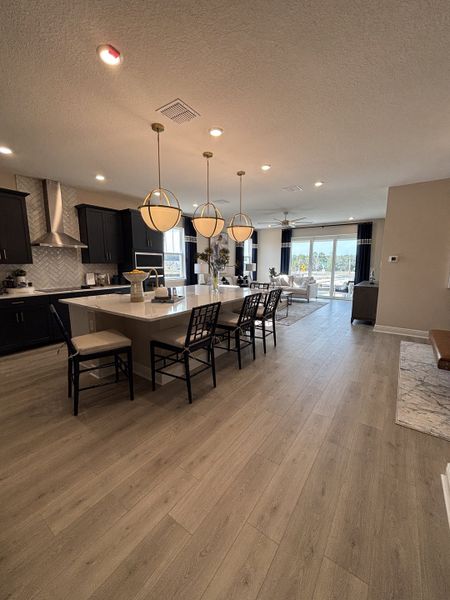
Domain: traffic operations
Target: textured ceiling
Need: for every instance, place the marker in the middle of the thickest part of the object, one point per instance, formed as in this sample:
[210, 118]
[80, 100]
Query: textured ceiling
[353, 93]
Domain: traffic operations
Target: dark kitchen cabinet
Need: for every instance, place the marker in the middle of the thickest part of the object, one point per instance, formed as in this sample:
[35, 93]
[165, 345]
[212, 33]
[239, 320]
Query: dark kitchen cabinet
[24, 323]
[137, 236]
[101, 231]
[15, 246]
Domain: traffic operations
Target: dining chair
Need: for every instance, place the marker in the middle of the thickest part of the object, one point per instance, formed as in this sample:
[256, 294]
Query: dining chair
[240, 325]
[181, 345]
[266, 314]
[91, 346]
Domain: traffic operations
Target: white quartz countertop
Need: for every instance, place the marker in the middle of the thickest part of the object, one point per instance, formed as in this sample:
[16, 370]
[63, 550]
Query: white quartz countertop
[59, 292]
[194, 295]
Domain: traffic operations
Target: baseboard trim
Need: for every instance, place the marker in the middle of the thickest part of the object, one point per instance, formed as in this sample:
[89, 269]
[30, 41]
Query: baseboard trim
[419, 333]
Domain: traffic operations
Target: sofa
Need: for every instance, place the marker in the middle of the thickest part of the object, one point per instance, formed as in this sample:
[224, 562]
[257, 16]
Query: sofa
[301, 286]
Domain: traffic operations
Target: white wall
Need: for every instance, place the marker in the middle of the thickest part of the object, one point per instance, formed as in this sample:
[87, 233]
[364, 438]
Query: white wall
[269, 252]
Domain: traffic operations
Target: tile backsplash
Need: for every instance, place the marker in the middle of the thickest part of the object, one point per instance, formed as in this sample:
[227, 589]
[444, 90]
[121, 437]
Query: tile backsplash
[53, 267]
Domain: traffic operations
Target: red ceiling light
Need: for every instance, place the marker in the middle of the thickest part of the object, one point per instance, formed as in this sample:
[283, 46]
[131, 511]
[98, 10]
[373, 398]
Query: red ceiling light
[109, 55]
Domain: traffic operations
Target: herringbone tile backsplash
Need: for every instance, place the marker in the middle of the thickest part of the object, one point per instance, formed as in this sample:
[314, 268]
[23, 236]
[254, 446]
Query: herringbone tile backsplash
[53, 267]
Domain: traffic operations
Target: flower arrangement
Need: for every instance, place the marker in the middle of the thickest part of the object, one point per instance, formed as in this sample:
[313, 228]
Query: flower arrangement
[217, 259]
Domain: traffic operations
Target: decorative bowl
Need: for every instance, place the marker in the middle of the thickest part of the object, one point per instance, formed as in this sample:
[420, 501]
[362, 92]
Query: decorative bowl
[136, 278]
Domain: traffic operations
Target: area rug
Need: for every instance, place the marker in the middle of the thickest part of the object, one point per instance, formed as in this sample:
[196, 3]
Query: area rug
[298, 310]
[423, 394]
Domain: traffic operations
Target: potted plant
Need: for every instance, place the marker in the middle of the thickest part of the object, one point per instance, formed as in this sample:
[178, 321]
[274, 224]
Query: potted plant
[272, 273]
[21, 277]
[216, 259]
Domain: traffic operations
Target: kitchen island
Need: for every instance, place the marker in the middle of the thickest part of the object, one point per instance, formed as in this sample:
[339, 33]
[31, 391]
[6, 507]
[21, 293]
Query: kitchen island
[141, 321]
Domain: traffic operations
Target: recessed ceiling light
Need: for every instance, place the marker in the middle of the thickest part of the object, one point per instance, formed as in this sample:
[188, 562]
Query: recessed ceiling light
[266, 167]
[319, 183]
[195, 205]
[5, 150]
[109, 55]
[270, 225]
[216, 131]
[100, 177]
[351, 218]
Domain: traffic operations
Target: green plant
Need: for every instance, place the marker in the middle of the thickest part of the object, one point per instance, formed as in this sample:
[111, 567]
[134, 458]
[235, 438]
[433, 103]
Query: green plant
[19, 273]
[216, 259]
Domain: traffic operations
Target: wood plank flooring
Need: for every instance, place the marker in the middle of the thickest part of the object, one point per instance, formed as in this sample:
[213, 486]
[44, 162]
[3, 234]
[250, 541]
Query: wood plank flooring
[289, 481]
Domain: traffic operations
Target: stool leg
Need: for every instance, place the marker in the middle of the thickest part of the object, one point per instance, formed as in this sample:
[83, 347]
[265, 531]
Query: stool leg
[76, 384]
[188, 376]
[130, 373]
[116, 367]
[274, 330]
[237, 338]
[263, 324]
[252, 333]
[69, 378]
[152, 362]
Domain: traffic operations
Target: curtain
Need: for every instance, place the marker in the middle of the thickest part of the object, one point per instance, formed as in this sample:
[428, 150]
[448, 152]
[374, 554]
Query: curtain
[190, 245]
[239, 268]
[255, 254]
[364, 243]
[286, 237]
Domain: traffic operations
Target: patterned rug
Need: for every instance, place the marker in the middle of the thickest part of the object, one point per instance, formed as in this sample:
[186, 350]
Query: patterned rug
[298, 310]
[423, 395]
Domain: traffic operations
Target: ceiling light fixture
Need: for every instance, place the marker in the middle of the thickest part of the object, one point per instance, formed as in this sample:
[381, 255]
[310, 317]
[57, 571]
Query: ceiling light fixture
[195, 205]
[165, 213]
[100, 177]
[207, 219]
[109, 55]
[5, 150]
[240, 227]
[266, 167]
[216, 131]
[318, 184]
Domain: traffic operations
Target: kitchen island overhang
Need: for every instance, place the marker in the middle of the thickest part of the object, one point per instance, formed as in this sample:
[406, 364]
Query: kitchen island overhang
[141, 321]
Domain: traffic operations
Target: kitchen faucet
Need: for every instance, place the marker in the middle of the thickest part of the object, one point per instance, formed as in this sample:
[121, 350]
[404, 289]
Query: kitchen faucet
[157, 276]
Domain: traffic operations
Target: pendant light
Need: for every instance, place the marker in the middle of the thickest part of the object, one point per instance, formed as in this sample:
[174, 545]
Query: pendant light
[207, 219]
[240, 227]
[160, 209]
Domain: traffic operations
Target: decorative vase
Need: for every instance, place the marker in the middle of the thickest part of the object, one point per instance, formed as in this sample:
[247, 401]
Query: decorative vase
[215, 282]
[136, 280]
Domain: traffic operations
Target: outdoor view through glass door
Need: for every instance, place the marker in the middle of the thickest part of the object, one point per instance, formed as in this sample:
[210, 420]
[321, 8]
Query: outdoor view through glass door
[331, 261]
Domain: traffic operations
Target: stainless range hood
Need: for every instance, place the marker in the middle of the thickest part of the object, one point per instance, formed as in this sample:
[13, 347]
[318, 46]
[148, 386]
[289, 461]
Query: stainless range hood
[55, 236]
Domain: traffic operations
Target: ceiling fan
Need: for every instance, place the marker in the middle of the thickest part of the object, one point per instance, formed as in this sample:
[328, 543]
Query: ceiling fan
[286, 223]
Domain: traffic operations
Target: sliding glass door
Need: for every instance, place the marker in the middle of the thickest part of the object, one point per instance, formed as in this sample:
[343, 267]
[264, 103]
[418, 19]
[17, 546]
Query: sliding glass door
[330, 260]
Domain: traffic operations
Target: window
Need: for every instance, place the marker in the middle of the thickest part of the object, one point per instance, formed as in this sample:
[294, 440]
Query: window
[330, 260]
[174, 253]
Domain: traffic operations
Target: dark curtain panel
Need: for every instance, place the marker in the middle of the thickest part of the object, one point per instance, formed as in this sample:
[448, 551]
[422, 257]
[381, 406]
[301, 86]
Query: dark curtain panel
[255, 254]
[364, 243]
[286, 237]
[239, 268]
[190, 244]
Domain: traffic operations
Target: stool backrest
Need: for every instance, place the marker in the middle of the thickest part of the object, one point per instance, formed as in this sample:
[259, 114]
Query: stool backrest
[272, 301]
[259, 286]
[202, 324]
[248, 309]
[70, 347]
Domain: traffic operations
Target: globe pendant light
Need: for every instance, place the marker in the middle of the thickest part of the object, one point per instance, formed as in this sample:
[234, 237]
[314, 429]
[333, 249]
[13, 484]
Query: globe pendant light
[240, 227]
[207, 219]
[160, 209]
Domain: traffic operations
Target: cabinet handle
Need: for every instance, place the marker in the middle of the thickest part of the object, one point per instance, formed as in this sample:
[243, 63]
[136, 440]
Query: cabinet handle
[4, 254]
[21, 317]
[17, 318]
[18, 302]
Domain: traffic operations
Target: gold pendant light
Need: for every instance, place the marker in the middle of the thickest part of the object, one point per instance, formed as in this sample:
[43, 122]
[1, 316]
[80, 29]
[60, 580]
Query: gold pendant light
[160, 210]
[240, 227]
[207, 219]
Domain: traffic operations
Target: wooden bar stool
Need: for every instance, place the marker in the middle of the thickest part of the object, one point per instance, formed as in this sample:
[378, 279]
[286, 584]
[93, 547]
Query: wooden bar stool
[179, 345]
[231, 323]
[91, 346]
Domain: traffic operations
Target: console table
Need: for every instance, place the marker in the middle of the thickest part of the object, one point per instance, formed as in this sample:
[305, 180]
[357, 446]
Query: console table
[365, 299]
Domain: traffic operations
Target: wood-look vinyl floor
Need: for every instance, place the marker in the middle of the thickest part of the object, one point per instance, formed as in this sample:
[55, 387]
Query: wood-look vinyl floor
[288, 481]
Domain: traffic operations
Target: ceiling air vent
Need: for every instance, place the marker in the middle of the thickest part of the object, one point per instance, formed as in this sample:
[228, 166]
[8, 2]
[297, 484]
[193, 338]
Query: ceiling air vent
[293, 188]
[178, 111]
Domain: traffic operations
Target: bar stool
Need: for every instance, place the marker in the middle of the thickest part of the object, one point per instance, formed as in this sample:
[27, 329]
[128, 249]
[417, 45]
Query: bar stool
[238, 324]
[100, 344]
[180, 344]
[267, 313]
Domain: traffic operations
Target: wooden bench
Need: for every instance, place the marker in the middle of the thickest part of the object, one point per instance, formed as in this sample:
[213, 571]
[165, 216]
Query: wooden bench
[440, 342]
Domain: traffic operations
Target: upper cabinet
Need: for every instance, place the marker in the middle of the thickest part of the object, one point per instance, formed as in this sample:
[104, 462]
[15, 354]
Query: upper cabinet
[137, 236]
[15, 246]
[101, 231]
